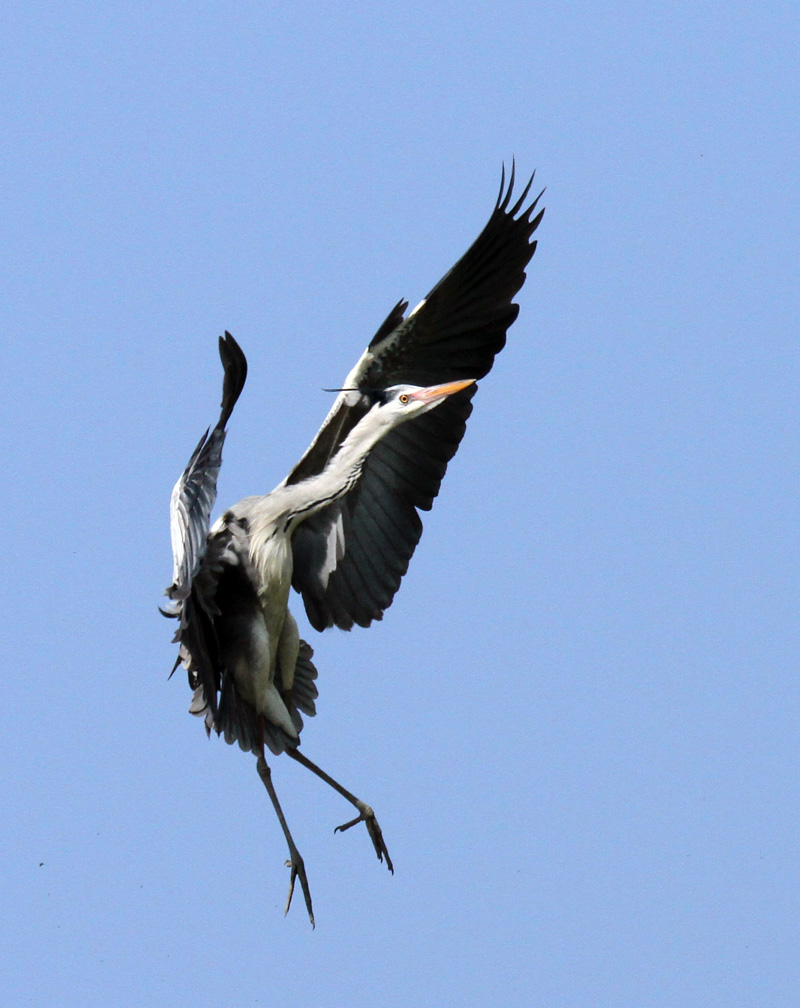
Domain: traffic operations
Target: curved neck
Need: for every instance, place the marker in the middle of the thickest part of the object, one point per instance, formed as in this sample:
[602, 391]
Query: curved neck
[275, 516]
[301, 500]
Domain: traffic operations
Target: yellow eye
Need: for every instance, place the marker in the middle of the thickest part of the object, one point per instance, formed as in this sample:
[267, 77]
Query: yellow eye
[403, 397]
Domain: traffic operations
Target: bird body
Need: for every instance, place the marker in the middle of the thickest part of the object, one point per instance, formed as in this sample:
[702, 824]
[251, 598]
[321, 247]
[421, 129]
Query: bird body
[257, 631]
[344, 523]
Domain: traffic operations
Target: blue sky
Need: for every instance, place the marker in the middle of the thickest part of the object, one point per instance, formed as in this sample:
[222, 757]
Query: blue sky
[578, 723]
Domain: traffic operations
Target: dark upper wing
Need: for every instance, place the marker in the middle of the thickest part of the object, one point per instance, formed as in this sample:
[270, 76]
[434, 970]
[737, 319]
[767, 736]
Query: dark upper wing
[349, 558]
[195, 492]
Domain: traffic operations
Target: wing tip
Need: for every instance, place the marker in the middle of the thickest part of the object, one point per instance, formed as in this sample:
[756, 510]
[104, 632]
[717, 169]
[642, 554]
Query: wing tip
[516, 212]
[234, 364]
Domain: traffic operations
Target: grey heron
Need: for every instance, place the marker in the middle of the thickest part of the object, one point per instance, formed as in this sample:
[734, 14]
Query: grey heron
[343, 525]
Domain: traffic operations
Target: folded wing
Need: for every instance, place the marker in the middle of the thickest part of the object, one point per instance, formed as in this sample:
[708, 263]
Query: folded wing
[193, 583]
[195, 492]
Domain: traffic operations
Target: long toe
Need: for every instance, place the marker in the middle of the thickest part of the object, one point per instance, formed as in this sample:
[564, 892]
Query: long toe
[367, 816]
[299, 871]
[378, 842]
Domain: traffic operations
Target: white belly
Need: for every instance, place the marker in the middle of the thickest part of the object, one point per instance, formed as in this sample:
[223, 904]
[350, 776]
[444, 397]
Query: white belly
[271, 634]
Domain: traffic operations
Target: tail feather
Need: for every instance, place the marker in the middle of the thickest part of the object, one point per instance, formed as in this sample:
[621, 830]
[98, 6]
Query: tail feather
[238, 723]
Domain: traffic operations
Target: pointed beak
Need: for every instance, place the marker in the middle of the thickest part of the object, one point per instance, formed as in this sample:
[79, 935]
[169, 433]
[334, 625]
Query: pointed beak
[434, 392]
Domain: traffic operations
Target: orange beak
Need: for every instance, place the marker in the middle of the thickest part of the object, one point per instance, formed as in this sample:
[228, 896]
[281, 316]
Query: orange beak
[434, 392]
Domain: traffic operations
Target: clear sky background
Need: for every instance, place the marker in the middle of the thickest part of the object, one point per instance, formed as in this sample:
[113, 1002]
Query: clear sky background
[579, 721]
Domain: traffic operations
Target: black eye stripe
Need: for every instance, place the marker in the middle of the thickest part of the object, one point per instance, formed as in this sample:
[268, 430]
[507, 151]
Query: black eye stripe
[381, 397]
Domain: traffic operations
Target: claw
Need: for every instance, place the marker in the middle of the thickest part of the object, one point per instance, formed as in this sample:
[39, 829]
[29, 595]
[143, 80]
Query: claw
[299, 871]
[367, 816]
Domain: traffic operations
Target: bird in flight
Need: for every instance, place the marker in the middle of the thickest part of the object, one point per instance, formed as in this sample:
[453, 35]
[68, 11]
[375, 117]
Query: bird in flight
[343, 525]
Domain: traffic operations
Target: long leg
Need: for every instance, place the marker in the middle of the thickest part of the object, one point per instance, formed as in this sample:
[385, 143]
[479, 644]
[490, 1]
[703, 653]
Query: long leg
[365, 813]
[295, 862]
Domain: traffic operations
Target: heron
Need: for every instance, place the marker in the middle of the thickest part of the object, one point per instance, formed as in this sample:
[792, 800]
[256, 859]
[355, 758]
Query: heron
[341, 528]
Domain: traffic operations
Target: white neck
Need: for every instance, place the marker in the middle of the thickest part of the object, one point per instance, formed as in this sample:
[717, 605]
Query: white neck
[301, 500]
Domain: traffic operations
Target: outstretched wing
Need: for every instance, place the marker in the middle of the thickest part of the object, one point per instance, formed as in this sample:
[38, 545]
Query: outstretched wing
[195, 492]
[350, 557]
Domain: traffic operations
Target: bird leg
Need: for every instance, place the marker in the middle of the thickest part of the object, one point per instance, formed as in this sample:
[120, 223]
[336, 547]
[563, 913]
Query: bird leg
[365, 813]
[295, 862]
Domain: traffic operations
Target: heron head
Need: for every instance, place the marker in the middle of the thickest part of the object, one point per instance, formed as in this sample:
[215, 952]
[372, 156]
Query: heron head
[406, 401]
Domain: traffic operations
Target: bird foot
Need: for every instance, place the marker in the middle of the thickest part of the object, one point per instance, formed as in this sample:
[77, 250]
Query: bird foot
[367, 816]
[299, 871]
